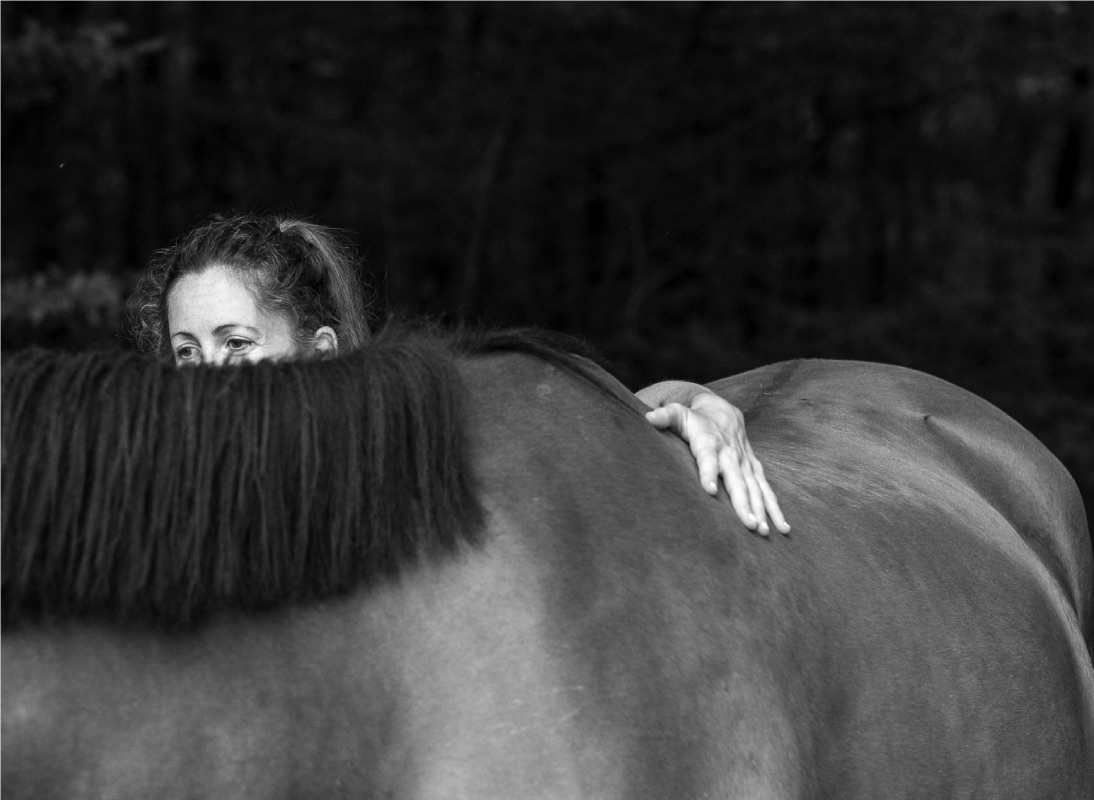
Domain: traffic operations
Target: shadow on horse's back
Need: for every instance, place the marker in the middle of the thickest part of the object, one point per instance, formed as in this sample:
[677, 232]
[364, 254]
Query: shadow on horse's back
[536, 598]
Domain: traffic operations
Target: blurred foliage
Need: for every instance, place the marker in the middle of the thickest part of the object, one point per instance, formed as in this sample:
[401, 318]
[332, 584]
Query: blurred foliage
[697, 188]
[75, 311]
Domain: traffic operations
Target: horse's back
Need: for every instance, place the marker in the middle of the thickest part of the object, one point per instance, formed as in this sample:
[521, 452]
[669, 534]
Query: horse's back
[617, 633]
[944, 555]
[919, 634]
[933, 438]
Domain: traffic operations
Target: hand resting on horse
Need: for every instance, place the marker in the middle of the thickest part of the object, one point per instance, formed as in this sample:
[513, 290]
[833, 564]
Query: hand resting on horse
[715, 431]
[243, 288]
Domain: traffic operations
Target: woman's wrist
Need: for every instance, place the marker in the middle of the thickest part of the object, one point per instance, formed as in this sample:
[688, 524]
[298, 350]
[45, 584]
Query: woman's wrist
[665, 392]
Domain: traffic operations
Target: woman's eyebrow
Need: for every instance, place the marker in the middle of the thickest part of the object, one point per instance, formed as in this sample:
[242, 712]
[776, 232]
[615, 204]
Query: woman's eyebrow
[219, 329]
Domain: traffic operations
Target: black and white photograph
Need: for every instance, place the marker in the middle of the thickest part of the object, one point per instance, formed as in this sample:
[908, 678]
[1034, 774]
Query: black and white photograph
[505, 400]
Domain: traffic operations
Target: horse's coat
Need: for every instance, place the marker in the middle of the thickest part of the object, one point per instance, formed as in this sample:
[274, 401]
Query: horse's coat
[611, 631]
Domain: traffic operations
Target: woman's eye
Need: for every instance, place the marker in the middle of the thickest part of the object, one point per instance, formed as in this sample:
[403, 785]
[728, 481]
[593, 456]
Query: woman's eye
[237, 345]
[186, 353]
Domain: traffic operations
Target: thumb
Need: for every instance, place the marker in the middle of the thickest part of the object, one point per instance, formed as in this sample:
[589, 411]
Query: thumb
[670, 416]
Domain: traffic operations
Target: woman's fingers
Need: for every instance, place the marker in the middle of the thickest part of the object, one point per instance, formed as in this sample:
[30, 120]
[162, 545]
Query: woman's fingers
[720, 447]
[771, 503]
[752, 471]
[742, 496]
[665, 417]
[773, 510]
[703, 444]
[706, 458]
[704, 448]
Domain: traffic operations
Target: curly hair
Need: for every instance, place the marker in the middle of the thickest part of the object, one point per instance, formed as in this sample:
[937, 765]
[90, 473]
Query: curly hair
[294, 267]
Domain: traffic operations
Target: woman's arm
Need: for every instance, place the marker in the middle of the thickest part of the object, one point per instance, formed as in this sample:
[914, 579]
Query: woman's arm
[715, 431]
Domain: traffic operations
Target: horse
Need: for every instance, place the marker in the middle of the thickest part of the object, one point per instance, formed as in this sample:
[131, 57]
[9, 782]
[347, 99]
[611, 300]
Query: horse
[463, 565]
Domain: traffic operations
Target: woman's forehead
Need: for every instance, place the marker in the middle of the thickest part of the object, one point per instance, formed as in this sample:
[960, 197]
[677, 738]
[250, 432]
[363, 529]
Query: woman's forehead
[212, 297]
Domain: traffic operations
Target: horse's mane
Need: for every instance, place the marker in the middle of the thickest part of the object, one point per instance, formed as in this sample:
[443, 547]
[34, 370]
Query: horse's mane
[137, 492]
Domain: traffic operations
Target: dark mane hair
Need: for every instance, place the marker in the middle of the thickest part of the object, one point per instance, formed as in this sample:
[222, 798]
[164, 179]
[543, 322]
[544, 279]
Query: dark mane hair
[137, 492]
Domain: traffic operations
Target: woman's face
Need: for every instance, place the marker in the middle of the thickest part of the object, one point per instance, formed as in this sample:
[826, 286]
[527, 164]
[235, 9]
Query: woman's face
[213, 318]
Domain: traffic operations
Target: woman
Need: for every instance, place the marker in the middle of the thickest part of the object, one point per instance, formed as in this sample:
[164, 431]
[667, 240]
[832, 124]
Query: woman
[246, 287]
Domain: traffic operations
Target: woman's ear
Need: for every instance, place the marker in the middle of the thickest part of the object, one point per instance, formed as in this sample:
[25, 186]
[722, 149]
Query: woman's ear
[325, 342]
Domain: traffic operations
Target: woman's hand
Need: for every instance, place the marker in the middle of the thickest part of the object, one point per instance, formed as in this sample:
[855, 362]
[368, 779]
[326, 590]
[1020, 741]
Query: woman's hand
[715, 431]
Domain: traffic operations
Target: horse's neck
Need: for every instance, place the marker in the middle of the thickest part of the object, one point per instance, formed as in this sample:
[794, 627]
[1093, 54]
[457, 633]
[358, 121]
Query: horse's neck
[404, 687]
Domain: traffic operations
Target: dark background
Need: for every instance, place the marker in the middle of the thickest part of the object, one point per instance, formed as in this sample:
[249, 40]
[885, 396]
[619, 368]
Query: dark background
[697, 189]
